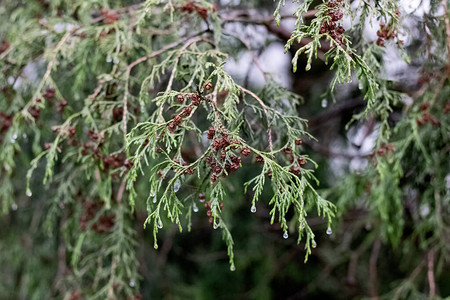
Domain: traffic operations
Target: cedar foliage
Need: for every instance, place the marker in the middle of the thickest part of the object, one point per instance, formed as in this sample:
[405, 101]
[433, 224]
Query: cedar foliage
[119, 119]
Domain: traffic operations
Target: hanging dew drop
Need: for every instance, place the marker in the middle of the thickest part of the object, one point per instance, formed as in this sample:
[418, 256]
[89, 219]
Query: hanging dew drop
[29, 193]
[313, 244]
[24, 135]
[285, 235]
[160, 224]
[152, 194]
[132, 283]
[232, 268]
[108, 59]
[155, 246]
[195, 208]
[176, 186]
[216, 225]
[253, 209]
[329, 231]
[360, 85]
[116, 60]
[154, 199]
[14, 206]
[324, 103]
[13, 138]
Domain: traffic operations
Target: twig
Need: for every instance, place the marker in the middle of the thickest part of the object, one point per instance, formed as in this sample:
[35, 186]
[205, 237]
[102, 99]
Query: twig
[265, 108]
[213, 104]
[238, 16]
[430, 274]
[182, 49]
[411, 278]
[112, 278]
[120, 191]
[96, 92]
[125, 109]
[153, 54]
[142, 59]
[49, 67]
[254, 57]
[324, 150]
[447, 27]
[62, 266]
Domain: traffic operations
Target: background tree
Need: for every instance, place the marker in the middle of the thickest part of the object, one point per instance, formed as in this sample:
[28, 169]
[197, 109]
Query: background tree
[125, 122]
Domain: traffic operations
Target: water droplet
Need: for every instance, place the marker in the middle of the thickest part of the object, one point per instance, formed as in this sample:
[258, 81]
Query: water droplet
[108, 59]
[285, 235]
[132, 283]
[253, 209]
[152, 194]
[195, 208]
[154, 199]
[216, 225]
[147, 10]
[232, 268]
[324, 103]
[329, 231]
[155, 246]
[313, 244]
[29, 193]
[308, 67]
[160, 224]
[24, 135]
[176, 186]
[13, 138]
[14, 206]
[360, 85]
[116, 60]
[424, 210]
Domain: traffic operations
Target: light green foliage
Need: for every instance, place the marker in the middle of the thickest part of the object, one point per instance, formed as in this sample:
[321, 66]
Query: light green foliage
[120, 73]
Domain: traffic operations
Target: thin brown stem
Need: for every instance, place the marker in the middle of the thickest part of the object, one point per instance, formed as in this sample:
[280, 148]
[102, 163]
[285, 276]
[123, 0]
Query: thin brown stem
[185, 46]
[265, 108]
[447, 27]
[430, 274]
[121, 191]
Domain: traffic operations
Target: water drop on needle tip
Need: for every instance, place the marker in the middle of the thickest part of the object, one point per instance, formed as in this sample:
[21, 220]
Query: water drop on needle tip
[176, 186]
